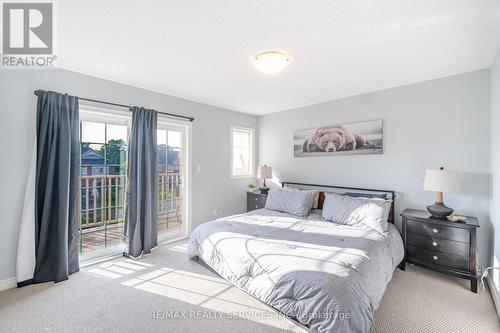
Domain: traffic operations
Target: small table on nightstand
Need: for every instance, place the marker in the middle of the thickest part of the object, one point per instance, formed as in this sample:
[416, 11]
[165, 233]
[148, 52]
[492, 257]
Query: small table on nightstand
[255, 200]
[441, 245]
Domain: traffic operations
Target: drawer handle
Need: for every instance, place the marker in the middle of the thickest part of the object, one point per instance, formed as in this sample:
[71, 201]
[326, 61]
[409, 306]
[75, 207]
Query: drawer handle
[256, 199]
[435, 230]
[434, 244]
[256, 206]
[435, 257]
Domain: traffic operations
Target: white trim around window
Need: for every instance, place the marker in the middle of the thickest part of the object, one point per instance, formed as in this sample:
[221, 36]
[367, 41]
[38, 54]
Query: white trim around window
[250, 152]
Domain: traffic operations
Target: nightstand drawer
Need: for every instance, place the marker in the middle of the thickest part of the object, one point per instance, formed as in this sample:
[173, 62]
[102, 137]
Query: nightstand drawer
[256, 201]
[438, 231]
[437, 244]
[438, 258]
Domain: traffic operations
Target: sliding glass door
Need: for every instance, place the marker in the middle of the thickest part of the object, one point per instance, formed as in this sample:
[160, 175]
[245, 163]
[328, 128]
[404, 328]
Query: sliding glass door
[103, 179]
[171, 140]
[103, 173]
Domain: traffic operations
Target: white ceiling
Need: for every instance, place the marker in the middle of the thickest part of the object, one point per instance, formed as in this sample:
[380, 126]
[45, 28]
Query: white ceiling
[202, 50]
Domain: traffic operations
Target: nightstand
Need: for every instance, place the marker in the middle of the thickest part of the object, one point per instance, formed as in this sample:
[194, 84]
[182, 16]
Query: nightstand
[441, 245]
[255, 200]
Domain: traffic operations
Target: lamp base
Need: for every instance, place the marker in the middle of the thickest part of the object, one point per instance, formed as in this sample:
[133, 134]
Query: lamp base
[264, 190]
[439, 210]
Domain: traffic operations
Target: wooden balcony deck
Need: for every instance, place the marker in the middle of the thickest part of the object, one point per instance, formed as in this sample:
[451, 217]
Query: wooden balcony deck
[99, 238]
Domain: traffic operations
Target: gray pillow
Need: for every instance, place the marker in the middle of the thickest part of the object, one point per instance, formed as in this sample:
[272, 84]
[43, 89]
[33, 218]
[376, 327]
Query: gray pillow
[315, 193]
[366, 195]
[359, 212]
[292, 202]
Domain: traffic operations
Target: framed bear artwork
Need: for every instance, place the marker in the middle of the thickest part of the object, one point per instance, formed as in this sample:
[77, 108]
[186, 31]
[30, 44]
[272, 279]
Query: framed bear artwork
[347, 139]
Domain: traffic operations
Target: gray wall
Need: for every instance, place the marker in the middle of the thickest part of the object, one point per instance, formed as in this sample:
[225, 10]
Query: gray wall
[495, 167]
[443, 122]
[212, 187]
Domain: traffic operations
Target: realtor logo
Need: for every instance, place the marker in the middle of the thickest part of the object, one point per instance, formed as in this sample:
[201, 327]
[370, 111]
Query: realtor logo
[27, 34]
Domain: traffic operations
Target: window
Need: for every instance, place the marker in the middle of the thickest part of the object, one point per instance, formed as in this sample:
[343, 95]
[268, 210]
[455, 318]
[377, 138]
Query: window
[241, 152]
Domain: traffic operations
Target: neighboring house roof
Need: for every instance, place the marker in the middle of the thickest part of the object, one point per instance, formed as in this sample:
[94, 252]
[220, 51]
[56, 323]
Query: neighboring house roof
[169, 154]
[90, 156]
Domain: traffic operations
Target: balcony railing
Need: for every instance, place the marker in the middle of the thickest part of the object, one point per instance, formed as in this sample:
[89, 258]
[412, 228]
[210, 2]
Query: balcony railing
[102, 199]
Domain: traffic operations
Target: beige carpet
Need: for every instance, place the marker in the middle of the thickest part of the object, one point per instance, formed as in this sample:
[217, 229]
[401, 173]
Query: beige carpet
[166, 292]
[419, 300]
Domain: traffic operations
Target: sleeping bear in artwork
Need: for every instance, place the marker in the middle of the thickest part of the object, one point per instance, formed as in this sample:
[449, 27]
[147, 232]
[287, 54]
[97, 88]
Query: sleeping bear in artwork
[332, 139]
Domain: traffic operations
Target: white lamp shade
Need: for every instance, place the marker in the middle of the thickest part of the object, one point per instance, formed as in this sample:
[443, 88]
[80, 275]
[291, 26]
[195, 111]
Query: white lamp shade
[441, 181]
[266, 172]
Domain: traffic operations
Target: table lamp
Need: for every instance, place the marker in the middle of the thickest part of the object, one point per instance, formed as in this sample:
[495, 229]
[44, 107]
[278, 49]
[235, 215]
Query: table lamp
[265, 172]
[440, 181]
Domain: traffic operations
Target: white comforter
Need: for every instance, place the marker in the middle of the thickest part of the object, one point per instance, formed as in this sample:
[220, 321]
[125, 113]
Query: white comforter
[329, 277]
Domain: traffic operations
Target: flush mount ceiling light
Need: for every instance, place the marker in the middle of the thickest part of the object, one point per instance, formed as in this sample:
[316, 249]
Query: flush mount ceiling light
[271, 62]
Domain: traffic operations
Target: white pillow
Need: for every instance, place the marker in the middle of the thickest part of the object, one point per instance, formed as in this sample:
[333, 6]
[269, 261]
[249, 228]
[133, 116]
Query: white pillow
[315, 193]
[292, 202]
[360, 212]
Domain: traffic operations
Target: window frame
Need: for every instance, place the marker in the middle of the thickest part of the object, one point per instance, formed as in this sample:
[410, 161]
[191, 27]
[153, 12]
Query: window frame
[250, 131]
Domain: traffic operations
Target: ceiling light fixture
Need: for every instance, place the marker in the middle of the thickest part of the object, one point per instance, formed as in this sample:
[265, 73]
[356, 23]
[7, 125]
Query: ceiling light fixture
[271, 62]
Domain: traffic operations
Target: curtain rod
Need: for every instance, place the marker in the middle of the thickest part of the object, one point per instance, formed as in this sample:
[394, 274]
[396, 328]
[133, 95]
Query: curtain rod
[124, 106]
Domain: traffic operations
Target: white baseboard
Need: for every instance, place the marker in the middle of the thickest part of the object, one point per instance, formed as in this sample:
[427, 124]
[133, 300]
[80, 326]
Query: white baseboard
[494, 294]
[8, 284]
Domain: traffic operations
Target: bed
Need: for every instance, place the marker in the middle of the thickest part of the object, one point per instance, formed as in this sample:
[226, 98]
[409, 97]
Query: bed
[328, 277]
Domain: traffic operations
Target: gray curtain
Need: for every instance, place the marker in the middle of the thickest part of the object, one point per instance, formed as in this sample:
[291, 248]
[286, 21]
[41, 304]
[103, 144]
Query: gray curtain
[142, 194]
[56, 187]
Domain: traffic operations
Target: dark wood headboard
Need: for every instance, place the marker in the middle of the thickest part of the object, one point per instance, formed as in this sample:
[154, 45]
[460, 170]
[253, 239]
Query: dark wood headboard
[341, 189]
